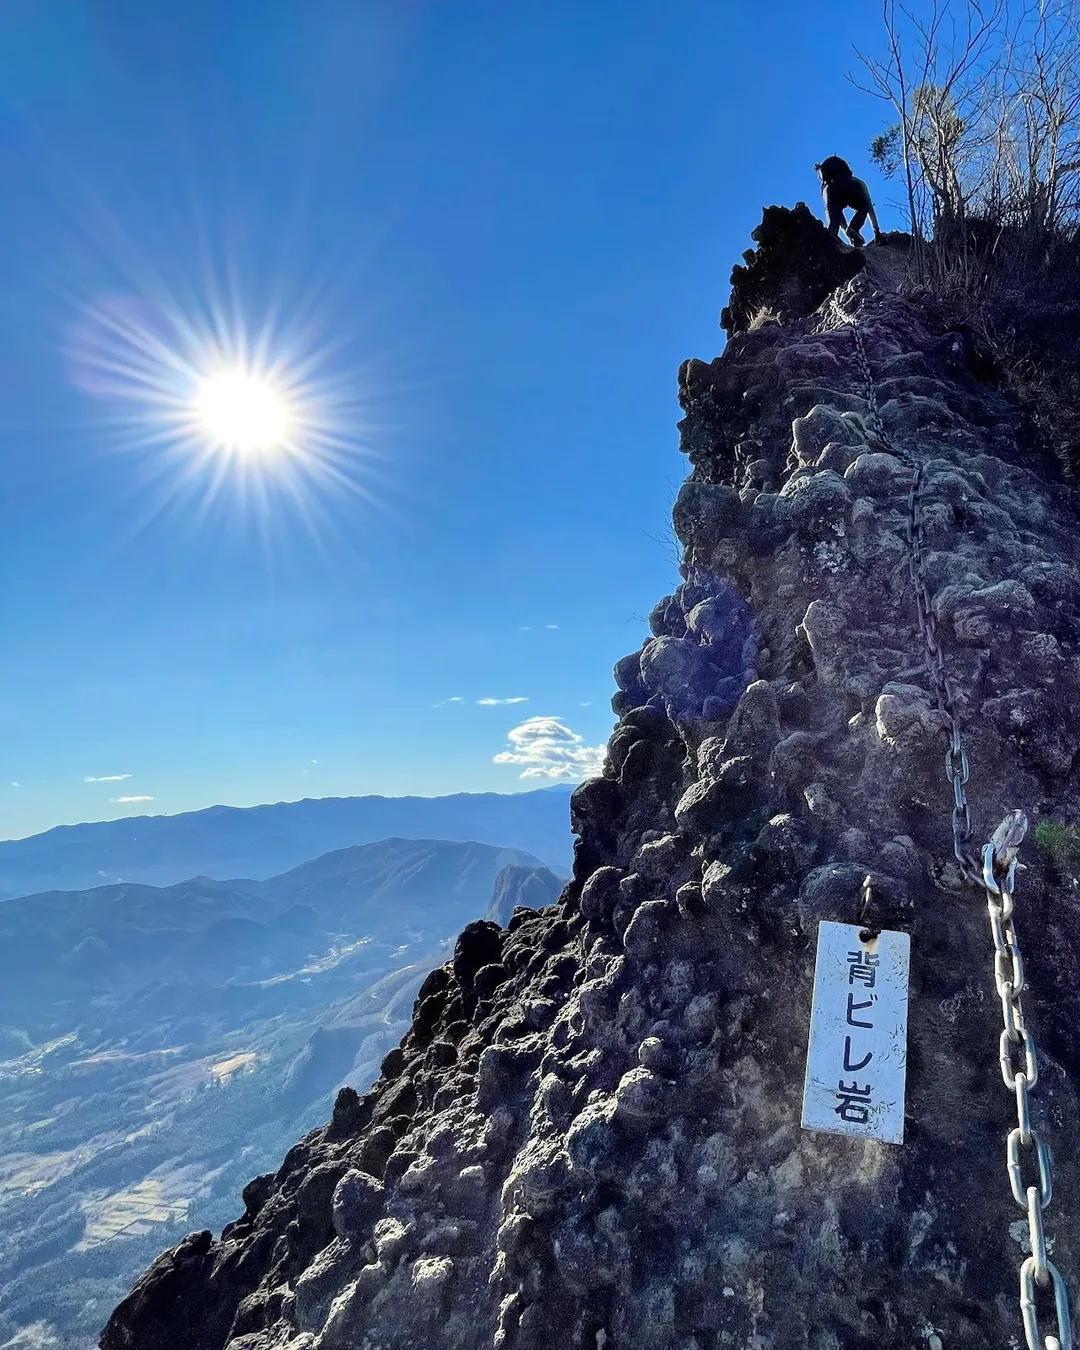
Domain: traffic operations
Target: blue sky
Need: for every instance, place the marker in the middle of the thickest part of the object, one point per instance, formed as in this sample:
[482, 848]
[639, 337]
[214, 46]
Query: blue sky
[492, 231]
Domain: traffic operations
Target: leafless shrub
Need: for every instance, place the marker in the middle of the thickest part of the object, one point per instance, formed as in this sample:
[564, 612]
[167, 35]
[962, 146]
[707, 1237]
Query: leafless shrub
[761, 318]
[986, 94]
[985, 138]
[1033, 179]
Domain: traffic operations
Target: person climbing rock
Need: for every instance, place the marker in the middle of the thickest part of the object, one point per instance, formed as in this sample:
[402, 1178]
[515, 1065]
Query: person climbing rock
[843, 191]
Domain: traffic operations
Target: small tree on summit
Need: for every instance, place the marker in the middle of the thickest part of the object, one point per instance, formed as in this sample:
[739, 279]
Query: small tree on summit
[936, 144]
[986, 94]
[984, 135]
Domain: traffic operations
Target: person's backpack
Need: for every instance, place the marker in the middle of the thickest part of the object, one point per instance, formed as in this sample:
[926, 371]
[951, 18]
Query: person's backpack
[833, 168]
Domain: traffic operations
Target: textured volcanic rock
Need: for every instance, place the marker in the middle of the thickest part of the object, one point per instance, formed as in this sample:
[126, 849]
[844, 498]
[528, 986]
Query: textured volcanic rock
[590, 1136]
[795, 266]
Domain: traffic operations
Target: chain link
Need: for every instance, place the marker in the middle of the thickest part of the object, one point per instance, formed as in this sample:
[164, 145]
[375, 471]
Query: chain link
[957, 768]
[1020, 1073]
[995, 872]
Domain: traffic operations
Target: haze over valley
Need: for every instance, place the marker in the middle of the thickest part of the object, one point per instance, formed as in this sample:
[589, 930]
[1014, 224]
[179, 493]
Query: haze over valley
[161, 1046]
[259, 841]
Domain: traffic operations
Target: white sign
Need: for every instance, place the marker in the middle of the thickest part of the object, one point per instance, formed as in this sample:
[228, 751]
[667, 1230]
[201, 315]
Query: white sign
[856, 1063]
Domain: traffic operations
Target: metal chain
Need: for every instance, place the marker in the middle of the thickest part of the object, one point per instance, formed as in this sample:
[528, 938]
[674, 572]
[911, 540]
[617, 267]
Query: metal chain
[957, 768]
[1020, 1073]
[996, 872]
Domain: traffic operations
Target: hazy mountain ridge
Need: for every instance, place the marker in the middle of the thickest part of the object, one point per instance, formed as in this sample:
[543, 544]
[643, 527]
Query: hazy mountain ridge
[158, 1045]
[262, 841]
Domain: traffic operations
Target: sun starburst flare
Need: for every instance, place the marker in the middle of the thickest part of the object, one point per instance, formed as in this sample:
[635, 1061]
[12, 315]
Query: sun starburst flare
[229, 416]
[241, 412]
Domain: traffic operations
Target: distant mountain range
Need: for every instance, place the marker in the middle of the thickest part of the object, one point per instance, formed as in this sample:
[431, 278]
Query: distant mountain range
[260, 841]
[160, 1046]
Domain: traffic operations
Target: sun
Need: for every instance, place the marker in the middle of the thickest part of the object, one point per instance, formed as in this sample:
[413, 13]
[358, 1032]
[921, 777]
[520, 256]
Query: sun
[250, 418]
[241, 412]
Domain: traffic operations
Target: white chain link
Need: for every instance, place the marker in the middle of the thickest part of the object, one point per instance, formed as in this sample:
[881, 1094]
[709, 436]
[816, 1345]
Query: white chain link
[1016, 1049]
[1020, 1073]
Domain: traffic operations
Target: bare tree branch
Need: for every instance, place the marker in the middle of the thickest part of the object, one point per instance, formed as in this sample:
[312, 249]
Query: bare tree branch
[987, 99]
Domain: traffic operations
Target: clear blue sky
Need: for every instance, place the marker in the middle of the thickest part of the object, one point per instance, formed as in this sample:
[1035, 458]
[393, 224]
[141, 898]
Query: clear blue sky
[499, 227]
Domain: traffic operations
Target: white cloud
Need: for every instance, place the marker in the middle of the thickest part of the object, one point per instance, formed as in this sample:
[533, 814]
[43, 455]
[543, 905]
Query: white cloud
[108, 778]
[551, 625]
[14, 785]
[547, 748]
[499, 702]
[131, 799]
[456, 699]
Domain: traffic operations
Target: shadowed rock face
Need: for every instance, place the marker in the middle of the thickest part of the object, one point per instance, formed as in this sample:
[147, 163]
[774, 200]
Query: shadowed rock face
[795, 266]
[590, 1136]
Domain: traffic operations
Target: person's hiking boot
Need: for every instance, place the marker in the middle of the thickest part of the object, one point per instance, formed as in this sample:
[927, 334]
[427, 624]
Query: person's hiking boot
[855, 239]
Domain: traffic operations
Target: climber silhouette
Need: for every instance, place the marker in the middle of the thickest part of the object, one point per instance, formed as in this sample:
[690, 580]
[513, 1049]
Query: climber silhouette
[842, 190]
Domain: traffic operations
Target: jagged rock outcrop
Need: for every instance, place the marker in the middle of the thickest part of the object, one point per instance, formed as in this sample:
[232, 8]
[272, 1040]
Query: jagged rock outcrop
[521, 887]
[590, 1137]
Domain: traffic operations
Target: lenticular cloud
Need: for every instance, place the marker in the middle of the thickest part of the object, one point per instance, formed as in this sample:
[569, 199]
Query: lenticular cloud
[547, 748]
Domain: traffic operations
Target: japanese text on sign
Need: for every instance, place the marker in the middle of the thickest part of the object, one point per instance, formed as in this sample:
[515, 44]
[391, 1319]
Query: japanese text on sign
[856, 1063]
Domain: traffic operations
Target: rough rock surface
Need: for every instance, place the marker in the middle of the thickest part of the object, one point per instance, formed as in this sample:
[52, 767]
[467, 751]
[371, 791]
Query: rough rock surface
[590, 1137]
[795, 266]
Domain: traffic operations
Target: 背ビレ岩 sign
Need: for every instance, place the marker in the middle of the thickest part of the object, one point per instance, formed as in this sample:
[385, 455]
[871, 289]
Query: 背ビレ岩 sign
[856, 1062]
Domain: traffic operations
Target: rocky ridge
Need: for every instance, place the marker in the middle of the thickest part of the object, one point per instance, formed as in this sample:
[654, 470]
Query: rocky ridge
[159, 1047]
[590, 1136]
